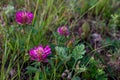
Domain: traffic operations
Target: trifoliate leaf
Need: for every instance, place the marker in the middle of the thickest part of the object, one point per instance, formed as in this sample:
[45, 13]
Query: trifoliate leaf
[78, 52]
[63, 53]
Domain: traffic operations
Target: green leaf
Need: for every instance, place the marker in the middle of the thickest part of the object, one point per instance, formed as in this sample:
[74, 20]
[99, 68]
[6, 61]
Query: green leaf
[63, 53]
[76, 78]
[85, 29]
[36, 77]
[78, 52]
[31, 69]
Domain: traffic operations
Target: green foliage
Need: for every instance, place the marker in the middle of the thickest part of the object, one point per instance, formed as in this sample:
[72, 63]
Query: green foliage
[94, 71]
[63, 54]
[114, 45]
[33, 68]
[115, 20]
[9, 10]
[85, 30]
[60, 40]
[78, 52]
[101, 6]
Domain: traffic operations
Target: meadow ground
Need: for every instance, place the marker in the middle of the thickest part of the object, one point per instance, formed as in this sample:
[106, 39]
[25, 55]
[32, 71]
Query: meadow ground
[59, 40]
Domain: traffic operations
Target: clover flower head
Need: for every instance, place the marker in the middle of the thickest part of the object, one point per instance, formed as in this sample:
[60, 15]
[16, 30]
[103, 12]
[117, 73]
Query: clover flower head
[63, 30]
[40, 53]
[24, 17]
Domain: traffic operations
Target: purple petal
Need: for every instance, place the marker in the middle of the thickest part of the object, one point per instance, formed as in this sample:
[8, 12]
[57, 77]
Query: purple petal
[24, 17]
[47, 50]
